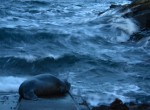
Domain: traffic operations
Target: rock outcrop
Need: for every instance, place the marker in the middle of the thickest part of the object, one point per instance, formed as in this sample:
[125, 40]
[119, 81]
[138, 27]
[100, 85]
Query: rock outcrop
[116, 105]
[119, 105]
[140, 11]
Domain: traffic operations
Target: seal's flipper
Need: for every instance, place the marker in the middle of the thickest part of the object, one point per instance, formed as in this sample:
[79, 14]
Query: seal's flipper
[30, 95]
[19, 98]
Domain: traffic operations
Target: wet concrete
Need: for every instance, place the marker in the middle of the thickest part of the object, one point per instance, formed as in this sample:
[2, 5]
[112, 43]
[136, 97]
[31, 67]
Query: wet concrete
[9, 101]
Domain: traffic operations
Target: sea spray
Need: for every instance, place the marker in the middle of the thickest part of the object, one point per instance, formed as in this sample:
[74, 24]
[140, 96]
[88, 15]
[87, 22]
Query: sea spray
[10, 83]
[120, 28]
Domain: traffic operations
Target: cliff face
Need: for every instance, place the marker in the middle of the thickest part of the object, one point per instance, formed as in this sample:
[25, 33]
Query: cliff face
[140, 10]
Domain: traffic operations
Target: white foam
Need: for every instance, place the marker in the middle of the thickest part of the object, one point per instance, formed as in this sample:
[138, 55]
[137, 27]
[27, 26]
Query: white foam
[120, 27]
[126, 24]
[32, 58]
[53, 56]
[107, 93]
[10, 83]
[29, 58]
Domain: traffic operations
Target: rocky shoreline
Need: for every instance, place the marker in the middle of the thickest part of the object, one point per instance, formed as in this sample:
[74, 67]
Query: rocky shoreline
[140, 11]
[119, 105]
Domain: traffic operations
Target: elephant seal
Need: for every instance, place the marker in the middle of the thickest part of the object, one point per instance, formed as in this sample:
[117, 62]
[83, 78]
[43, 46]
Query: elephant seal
[43, 85]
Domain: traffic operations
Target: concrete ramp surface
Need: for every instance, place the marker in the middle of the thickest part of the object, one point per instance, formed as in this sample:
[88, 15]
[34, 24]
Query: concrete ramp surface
[59, 103]
[9, 101]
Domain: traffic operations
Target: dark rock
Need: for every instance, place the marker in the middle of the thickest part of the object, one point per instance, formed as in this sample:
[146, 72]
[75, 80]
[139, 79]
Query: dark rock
[143, 107]
[118, 105]
[139, 36]
[136, 37]
[138, 2]
[114, 6]
[134, 106]
[102, 107]
[140, 10]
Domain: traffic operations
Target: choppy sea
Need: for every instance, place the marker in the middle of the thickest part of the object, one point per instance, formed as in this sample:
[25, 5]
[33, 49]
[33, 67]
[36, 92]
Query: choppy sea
[69, 39]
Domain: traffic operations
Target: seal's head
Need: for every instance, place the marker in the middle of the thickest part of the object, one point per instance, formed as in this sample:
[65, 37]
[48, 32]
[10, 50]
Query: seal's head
[67, 84]
[65, 87]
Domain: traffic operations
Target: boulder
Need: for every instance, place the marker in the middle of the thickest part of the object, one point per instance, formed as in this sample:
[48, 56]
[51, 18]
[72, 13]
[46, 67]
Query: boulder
[118, 105]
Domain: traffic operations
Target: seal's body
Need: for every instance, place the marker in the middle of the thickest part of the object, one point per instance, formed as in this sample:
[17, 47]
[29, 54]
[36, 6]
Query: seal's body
[44, 85]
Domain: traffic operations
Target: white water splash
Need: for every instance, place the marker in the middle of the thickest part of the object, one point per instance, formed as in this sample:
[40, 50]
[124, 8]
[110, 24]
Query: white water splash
[120, 28]
[126, 24]
[107, 92]
[28, 58]
[10, 83]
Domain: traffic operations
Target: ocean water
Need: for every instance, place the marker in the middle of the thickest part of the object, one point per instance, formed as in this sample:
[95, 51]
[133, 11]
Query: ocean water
[71, 40]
